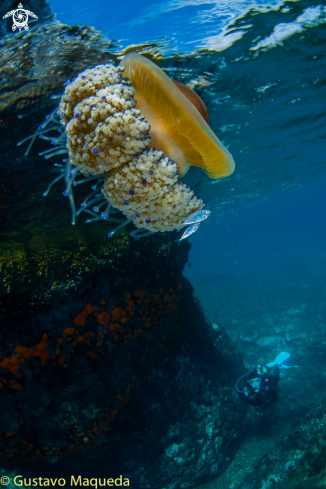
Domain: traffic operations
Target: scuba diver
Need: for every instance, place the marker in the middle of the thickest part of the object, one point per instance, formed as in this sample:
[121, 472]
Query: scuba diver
[260, 388]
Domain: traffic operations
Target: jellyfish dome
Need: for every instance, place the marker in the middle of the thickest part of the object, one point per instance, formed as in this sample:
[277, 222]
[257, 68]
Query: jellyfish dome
[177, 118]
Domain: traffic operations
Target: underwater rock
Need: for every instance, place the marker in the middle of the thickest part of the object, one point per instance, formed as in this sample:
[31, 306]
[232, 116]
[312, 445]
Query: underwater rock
[35, 65]
[104, 354]
[120, 375]
[107, 364]
[298, 462]
[249, 335]
[269, 341]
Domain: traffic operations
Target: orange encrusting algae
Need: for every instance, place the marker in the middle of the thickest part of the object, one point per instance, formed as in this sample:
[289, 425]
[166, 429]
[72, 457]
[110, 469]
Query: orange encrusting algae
[22, 353]
[150, 321]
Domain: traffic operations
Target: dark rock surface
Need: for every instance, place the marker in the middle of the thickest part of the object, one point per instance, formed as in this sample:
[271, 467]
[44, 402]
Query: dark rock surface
[122, 375]
[35, 64]
[299, 462]
[107, 363]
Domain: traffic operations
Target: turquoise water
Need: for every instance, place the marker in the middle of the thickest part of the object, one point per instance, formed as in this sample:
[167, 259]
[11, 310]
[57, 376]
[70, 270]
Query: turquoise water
[258, 264]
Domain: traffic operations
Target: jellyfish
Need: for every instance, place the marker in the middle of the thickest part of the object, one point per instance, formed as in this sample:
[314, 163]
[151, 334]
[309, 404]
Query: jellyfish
[135, 132]
[177, 119]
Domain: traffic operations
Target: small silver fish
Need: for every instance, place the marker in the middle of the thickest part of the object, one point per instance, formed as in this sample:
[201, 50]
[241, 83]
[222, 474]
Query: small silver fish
[197, 217]
[192, 229]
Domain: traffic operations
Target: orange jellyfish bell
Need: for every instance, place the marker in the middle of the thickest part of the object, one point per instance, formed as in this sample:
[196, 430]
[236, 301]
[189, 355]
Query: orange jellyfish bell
[193, 98]
[176, 118]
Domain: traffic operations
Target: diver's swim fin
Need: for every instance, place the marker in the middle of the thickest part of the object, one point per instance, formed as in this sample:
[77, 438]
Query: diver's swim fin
[280, 359]
[287, 366]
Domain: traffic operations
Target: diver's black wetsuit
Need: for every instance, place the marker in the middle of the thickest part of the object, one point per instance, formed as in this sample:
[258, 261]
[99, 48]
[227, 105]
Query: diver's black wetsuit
[262, 387]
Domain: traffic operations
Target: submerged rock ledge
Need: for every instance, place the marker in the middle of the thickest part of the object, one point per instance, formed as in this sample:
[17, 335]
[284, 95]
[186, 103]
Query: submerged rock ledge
[299, 461]
[35, 64]
[119, 374]
[107, 364]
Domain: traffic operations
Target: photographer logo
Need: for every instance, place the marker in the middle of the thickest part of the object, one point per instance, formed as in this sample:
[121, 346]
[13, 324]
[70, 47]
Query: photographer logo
[20, 18]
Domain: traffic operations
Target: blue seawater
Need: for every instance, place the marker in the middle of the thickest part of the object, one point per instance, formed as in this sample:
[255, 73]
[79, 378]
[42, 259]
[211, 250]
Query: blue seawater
[258, 264]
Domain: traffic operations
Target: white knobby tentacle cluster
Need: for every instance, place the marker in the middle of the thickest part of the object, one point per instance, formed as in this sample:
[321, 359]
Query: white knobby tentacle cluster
[107, 139]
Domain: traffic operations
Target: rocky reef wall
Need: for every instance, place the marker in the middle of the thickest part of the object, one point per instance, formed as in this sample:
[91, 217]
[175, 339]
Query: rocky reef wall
[107, 363]
[116, 370]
